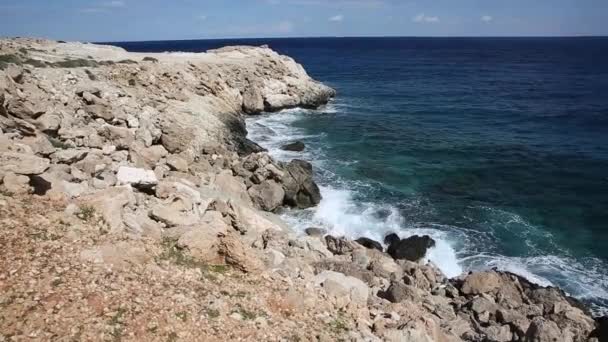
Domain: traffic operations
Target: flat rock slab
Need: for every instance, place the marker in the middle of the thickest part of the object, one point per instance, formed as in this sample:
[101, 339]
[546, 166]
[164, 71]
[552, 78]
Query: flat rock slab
[136, 177]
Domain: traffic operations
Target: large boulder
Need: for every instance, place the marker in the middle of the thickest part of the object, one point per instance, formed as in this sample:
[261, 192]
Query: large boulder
[339, 245]
[300, 189]
[22, 164]
[267, 195]
[345, 288]
[481, 282]
[413, 248]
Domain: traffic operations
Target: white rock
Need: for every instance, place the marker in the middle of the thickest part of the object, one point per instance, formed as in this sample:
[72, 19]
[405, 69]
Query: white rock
[136, 177]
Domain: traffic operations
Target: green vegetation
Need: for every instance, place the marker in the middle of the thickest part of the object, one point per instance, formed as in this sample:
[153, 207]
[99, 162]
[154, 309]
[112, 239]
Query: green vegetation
[75, 63]
[127, 61]
[86, 213]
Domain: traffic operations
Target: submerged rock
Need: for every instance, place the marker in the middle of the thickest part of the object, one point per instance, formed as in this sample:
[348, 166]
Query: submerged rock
[297, 146]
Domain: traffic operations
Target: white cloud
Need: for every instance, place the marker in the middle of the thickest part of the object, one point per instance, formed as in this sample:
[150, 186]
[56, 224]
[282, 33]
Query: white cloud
[116, 3]
[486, 18]
[336, 18]
[422, 18]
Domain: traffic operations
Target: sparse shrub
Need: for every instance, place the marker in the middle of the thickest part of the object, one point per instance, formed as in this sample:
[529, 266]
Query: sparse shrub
[150, 59]
[35, 63]
[86, 213]
[76, 63]
[127, 61]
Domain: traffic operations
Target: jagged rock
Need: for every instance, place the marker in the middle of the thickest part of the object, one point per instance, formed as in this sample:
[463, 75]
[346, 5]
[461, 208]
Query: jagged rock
[138, 178]
[339, 285]
[238, 255]
[267, 196]
[170, 188]
[413, 248]
[346, 268]
[339, 246]
[177, 163]
[120, 137]
[146, 157]
[369, 244]
[297, 146]
[300, 189]
[399, 292]
[22, 164]
[69, 156]
[49, 122]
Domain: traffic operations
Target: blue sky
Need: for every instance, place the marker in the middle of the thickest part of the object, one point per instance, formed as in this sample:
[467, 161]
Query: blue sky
[119, 20]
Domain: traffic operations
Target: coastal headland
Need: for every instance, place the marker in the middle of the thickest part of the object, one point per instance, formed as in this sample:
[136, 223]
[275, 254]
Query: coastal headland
[133, 207]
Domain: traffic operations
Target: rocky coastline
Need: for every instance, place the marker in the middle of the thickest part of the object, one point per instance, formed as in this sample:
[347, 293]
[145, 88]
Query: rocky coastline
[133, 207]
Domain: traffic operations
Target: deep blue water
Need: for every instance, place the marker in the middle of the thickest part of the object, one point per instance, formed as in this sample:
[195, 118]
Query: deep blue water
[497, 147]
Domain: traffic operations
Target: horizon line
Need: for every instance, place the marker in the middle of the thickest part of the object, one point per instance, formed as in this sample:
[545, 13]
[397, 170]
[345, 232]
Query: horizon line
[341, 37]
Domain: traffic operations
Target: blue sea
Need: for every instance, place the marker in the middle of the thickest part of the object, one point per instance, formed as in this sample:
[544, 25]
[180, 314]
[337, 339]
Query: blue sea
[496, 147]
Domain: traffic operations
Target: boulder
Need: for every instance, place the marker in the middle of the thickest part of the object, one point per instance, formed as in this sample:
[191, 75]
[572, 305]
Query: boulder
[413, 248]
[398, 292]
[232, 186]
[177, 163]
[369, 243]
[203, 240]
[69, 156]
[300, 189]
[138, 178]
[239, 255]
[313, 231]
[339, 245]
[480, 282]
[120, 137]
[543, 330]
[177, 212]
[297, 146]
[253, 102]
[22, 164]
[339, 285]
[16, 184]
[267, 195]
[146, 157]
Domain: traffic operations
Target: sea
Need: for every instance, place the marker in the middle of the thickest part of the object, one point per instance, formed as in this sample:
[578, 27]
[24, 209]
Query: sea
[495, 147]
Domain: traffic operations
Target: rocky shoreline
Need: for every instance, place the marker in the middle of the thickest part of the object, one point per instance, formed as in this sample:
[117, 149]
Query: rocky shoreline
[133, 207]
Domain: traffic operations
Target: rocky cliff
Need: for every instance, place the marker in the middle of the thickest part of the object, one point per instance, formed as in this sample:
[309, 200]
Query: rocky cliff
[133, 207]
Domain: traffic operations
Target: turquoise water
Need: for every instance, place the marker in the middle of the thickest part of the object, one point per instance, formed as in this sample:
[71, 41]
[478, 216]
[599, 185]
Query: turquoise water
[498, 148]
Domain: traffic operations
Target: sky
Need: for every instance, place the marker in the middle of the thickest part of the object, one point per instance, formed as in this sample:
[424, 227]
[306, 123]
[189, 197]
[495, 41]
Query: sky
[132, 20]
